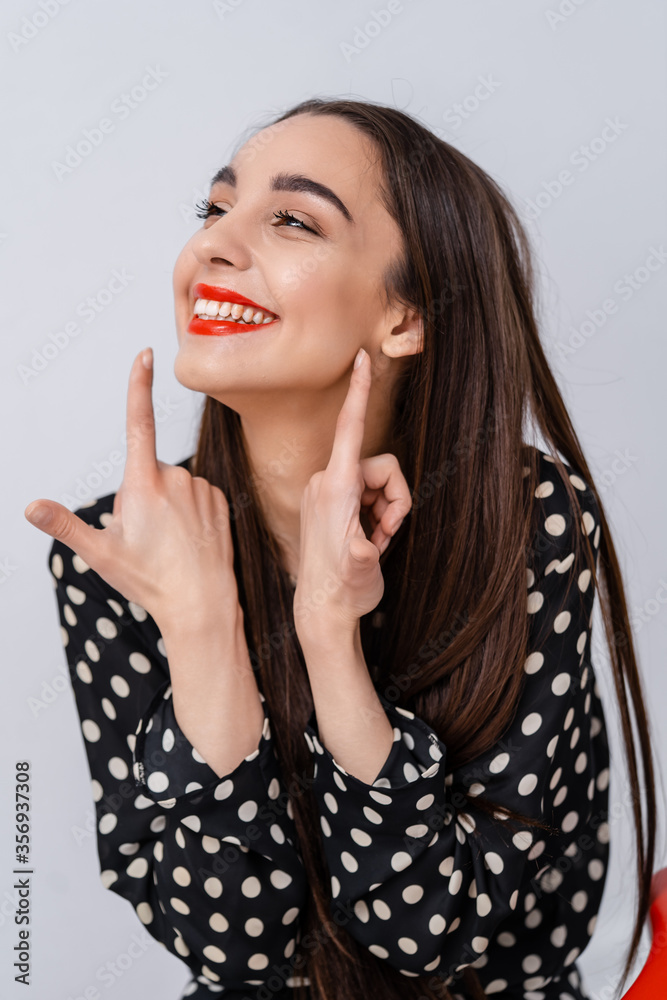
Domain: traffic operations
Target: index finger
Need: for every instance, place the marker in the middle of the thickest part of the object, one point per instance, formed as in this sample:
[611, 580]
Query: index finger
[351, 423]
[140, 425]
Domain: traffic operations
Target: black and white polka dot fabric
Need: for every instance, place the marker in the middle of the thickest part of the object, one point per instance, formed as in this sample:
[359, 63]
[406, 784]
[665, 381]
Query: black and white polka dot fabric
[212, 865]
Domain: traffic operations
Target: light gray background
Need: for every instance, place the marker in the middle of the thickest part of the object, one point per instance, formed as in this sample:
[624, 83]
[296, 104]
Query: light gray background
[555, 80]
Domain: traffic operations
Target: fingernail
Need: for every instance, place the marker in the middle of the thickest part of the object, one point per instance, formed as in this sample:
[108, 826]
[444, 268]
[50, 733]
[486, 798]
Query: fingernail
[39, 516]
[360, 357]
[147, 357]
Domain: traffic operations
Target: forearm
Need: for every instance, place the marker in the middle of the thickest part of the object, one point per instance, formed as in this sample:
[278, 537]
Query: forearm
[214, 691]
[351, 719]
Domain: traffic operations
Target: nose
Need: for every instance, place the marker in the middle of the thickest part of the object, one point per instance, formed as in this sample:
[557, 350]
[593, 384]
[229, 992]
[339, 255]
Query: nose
[223, 244]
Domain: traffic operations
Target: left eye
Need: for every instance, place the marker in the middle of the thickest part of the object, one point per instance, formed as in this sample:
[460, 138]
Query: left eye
[291, 218]
[204, 209]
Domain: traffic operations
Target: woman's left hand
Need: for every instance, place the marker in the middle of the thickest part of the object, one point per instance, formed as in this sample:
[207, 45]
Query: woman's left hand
[339, 576]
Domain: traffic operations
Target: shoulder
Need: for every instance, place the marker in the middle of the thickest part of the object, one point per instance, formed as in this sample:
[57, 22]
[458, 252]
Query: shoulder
[558, 516]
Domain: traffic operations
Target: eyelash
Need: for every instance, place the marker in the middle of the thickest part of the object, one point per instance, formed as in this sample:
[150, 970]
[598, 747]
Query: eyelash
[204, 209]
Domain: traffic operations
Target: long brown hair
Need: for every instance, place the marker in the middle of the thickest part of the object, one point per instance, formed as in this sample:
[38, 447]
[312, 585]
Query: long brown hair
[462, 404]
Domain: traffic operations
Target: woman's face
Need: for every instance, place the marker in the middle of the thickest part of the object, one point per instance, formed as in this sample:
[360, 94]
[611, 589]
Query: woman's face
[324, 283]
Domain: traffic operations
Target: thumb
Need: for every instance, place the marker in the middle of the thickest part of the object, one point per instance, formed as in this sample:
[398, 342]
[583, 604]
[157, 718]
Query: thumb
[59, 522]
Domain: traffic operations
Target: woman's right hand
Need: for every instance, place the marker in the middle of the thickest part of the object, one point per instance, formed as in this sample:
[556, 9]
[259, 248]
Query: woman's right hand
[168, 545]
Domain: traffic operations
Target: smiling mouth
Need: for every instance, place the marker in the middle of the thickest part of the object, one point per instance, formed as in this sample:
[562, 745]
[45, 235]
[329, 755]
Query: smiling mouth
[233, 312]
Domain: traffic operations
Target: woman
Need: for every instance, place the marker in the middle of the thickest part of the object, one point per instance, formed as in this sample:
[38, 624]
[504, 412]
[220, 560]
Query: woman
[333, 670]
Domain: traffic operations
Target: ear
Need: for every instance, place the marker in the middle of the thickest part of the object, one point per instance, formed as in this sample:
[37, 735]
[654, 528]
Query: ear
[406, 338]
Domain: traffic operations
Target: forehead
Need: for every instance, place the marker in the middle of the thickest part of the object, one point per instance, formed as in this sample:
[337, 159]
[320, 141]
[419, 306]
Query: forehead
[325, 148]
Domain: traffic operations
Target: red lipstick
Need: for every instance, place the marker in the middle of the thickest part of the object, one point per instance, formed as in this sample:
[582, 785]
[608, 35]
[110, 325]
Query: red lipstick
[222, 327]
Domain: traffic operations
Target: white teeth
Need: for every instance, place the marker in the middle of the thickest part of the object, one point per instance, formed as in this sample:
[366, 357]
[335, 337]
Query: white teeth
[211, 308]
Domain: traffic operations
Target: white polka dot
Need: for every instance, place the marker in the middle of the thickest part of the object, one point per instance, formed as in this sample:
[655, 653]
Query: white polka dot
[400, 860]
[360, 837]
[192, 823]
[118, 768]
[108, 708]
[120, 686]
[377, 949]
[224, 789]
[455, 881]
[531, 963]
[247, 810]
[137, 612]
[157, 781]
[108, 877]
[412, 893]
[145, 913]
[558, 936]
[527, 784]
[57, 565]
[84, 672]
[483, 904]
[561, 683]
[168, 740]
[381, 909]
[581, 762]
[324, 823]
[280, 879]
[410, 771]
[349, 861]
[495, 986]
[140, 663]
[371, 815]
[545, 489]
[595, 869]
[181, 947]
[291, 914]
[213, 887]
[408, 945]
[106, 628]
[181, 876]
[533, 663]
[137, 868]
[91, 730]
[214, 954]
[522, 840]
[579, 901]
[570, 821]
[437, 924]
[218, 922]
[494, 862]
[555, 524]
[254, 926]
[562, 621]
[330, 802]
[535, 602]
[258, 961]
[381, 797]
[531, 723]
[499, 763]
[361, 910]
[75, 595]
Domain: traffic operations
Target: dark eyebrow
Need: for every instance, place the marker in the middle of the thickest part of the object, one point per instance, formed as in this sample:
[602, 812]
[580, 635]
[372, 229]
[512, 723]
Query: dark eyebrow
[288, 182]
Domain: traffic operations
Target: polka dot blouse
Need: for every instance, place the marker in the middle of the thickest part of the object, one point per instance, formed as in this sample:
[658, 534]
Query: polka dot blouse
[212, 865]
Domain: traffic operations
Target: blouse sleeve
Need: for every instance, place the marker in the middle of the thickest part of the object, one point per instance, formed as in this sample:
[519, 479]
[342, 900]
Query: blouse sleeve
[423, 877]
[209, 864]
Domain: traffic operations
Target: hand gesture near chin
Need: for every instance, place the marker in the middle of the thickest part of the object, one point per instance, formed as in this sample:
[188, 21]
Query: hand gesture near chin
[151, 549]
[339, 576]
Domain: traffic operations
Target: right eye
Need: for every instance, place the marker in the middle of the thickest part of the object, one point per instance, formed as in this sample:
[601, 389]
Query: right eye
[204, 209]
